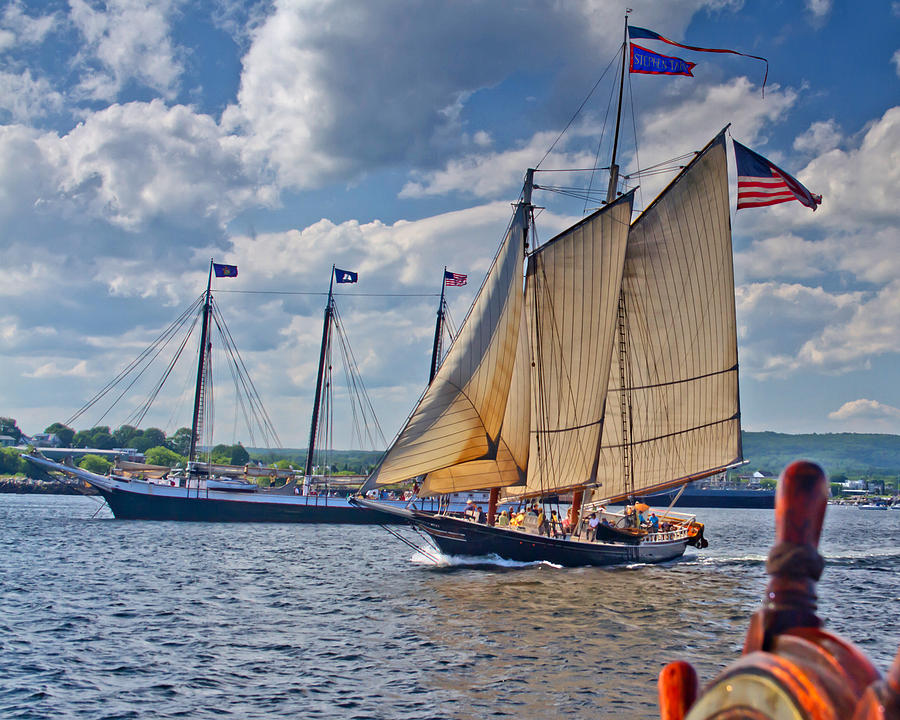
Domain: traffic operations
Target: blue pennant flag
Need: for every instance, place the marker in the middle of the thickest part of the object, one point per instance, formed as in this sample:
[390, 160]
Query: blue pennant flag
[345, 276]
[224, 270]
[650, 63]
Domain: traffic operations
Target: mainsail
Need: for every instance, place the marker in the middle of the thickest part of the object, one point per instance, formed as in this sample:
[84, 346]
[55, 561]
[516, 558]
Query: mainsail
[672, 410]
[571, 289]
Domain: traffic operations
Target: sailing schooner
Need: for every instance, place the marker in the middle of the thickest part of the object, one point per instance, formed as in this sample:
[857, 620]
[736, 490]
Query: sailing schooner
[215, 493]
[614, 374]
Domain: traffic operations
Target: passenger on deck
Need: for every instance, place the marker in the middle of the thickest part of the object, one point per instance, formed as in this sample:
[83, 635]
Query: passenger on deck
[654, 523]
[469, 512]
[543, 525]
[520, 518]
[554, 524]
[480, 516]
[503, 520]
[593, 522]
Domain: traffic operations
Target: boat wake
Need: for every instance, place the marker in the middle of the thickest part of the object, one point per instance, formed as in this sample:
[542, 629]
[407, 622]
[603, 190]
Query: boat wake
[432, 557]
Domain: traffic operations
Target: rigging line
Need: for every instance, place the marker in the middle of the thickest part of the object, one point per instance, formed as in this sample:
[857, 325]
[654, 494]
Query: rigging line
[142, 411]
[171, 329]
[637, 156]
[569, 170]
[325, 294]
[252, 393]
[236, 379]
[578, 111]
[612, 91]
[146, 367]
[363, 393]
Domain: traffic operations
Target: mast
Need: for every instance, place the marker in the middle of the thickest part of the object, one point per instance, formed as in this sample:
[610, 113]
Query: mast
[625, 396]
[320, 376]
[613, 167]
[438, 328]
[196, 423]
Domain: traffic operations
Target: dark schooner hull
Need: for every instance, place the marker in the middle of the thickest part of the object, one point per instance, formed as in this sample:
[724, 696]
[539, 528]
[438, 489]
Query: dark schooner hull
[461, 537]
[140, 500]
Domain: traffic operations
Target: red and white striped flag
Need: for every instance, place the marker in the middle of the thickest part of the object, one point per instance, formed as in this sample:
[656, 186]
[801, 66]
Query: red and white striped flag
[454, 279]
[761, 183]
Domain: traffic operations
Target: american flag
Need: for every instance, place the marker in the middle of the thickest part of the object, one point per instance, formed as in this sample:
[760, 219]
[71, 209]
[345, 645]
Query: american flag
[762, 183]
[454, 279]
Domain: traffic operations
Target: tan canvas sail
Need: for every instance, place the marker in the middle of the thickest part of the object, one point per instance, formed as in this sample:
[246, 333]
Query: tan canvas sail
[571, 287]
[460, 416]
[512, 448]
[672, 409]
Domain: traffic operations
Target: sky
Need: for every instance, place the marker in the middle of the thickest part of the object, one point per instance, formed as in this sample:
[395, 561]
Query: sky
[140, 139]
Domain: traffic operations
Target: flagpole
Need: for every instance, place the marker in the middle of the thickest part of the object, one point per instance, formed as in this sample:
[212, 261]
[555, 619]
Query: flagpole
[438, 327]
[314, 424]
[196, 423]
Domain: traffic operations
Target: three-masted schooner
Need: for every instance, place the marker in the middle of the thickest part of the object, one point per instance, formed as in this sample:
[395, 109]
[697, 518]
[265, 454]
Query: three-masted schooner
[614, 374]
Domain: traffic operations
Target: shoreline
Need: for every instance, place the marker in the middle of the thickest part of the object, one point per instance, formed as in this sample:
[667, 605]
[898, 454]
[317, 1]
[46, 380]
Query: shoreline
[12, 485]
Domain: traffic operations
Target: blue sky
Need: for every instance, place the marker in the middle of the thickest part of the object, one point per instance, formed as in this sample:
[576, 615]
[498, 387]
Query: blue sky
[138, 139]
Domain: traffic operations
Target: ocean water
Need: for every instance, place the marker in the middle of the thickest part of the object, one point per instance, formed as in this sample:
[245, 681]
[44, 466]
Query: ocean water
[102, 618]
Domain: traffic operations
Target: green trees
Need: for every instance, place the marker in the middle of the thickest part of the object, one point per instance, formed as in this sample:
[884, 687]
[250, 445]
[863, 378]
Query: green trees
[8, 426]
[163, 456]
[94, 464]
[63, 432]
[11, 462]
[180, 442]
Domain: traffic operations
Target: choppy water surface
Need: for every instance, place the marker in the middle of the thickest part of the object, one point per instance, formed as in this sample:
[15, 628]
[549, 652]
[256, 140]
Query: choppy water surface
[102, 618]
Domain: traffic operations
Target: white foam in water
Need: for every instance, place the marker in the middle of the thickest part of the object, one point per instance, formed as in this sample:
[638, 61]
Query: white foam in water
[431, 556]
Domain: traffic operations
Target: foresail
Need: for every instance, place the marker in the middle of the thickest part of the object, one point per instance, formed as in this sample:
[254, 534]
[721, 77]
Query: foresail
[508, 468]
[672, 410]
[571, 289]
[460, 416]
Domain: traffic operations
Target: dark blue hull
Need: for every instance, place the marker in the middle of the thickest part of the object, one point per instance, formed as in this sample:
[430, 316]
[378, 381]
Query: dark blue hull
[716, 498]
[303, 509]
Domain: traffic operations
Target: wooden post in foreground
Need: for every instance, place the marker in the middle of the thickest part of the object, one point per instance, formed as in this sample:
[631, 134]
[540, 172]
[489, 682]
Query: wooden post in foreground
[790, 666]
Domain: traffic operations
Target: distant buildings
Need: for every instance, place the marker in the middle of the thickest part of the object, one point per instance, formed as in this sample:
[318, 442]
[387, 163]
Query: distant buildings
[7, 441]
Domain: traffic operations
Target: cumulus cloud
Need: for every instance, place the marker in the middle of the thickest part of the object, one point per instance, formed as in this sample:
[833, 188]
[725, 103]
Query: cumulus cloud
[323, 87]
[820, 137]
[17, 28]
[51, 370]
[776, 321]
[126, 40]
[26, 98]
[865, 409]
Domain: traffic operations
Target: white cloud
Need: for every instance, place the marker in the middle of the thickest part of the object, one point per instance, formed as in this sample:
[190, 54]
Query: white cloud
[126, 40]
[865, 409]
[819, 138]
[17, 28]
[777, 321]
[52, 370]
[819, 8]
[130, 164]
[859, 185]
[783, 256]
[26, 98]
[896, 60]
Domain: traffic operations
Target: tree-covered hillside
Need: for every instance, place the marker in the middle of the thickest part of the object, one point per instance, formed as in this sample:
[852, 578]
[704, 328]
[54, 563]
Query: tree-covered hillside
[850, 454]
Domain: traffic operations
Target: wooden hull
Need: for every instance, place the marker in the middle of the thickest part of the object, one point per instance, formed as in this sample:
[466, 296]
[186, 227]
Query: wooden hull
[456, 536]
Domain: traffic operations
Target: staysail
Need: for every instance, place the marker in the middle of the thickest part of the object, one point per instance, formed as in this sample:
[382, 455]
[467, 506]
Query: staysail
[571, 289]
[672, 409]
[460, 417]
